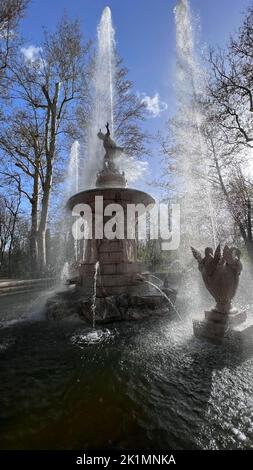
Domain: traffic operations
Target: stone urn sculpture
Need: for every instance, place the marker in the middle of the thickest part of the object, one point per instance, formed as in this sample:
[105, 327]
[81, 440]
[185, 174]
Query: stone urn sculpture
[220, 273]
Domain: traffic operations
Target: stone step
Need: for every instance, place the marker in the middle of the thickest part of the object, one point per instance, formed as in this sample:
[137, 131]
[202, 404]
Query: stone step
[13, 287]
[19, 282]
[20, 292]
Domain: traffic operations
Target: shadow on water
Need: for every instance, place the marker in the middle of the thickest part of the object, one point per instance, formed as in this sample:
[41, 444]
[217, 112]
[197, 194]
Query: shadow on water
[142, 385]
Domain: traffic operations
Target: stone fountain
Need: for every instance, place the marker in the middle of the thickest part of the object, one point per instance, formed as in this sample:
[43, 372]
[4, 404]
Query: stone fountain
[221, 272]
[122, 288]
[118, 257]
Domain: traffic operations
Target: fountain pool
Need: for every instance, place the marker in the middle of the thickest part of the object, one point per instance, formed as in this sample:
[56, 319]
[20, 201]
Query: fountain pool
[146, 385]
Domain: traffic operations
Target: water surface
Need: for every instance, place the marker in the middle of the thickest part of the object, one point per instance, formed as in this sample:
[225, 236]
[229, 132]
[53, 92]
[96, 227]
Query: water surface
[132, 385]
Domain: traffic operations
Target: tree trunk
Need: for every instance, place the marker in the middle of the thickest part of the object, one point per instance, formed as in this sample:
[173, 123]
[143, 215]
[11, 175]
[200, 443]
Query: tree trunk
[34, 222]
[249, 248]
[44, 218]
[48, 246]
[50, 141]
[33, 240]
[12, 234]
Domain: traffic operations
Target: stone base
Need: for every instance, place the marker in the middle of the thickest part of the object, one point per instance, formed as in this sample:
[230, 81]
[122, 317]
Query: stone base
[110, 180]
[234, 318]
[113, 278]
[217, 326]
[243, 333]
[212, 331]
[108, 309]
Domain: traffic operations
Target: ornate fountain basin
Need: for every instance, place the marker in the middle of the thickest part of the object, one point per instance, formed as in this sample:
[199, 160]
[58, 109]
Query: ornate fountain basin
[122, 196]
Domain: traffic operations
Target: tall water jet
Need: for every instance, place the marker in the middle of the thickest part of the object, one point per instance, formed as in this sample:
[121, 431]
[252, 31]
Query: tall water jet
[197, 214]
[72, 183]
[103, 92]
[73, 170]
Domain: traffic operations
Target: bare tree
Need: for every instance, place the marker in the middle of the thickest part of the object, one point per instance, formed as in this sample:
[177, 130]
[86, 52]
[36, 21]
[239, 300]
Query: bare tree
[11, 11]
[229, 130]
[22, 165]
[45, 88]
[231, 183]
[4, 230]
[231, 85]
[9, 211]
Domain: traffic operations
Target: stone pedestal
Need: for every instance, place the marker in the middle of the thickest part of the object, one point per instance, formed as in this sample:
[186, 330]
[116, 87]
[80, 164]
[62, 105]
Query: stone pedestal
[106, 179]
[243, 333]
[216, 326]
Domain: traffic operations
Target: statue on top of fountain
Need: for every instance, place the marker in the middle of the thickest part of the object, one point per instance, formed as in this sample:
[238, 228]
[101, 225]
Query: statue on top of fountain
[110, 175]
[111, 148]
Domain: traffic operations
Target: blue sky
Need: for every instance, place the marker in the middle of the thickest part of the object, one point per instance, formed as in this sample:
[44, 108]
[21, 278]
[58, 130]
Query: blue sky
[145, 37]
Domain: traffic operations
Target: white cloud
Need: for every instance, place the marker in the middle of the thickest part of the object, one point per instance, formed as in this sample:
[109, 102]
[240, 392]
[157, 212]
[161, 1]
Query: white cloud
[154, 104]
[134, 169]
[32, 54]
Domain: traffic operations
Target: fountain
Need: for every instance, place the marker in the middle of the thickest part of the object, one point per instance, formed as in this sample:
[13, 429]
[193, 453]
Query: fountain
[120, 291]
[117, 291]
[220, 273]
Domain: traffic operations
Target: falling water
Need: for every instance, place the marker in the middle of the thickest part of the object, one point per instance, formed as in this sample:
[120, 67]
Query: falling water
[155, 277]
[65, 272]
[197, 214]
[103, 84]
[165, 296]
[93, 307]
[73, 170]
[72, 182]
